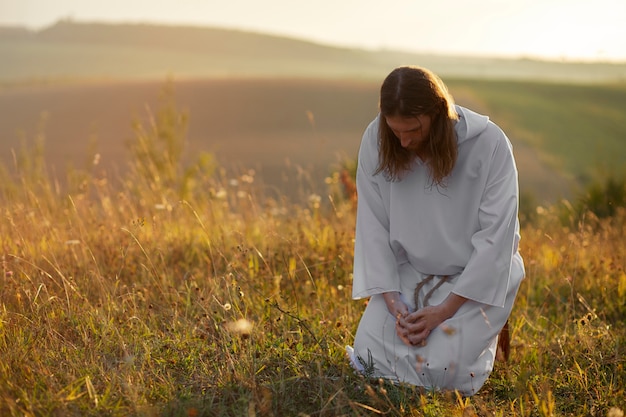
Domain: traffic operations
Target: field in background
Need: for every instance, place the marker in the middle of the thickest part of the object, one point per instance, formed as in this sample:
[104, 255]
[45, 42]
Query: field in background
[276, 128]
[563, 134]
[285, 107]
[579, 128]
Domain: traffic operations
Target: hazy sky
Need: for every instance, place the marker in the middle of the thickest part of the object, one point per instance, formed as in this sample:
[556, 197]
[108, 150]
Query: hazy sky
[556, 29]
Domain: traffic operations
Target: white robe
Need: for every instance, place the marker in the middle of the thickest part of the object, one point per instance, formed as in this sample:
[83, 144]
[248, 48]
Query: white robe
[409, 229]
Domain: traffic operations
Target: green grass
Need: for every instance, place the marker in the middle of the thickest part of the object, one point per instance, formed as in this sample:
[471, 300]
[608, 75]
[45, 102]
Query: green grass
[579, 129]
[188, 292]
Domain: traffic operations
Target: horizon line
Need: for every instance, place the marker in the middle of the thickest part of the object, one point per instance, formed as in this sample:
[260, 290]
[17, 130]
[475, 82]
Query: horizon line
[337, 45]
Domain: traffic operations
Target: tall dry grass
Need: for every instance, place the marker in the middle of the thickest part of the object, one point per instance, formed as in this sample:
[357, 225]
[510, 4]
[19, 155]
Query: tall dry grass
[180, 292]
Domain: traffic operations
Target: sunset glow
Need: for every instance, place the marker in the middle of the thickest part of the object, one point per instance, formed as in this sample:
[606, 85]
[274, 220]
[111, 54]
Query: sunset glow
[552, 29]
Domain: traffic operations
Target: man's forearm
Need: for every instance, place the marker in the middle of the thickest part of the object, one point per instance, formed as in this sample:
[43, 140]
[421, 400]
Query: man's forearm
[395, 305]
[451, 304]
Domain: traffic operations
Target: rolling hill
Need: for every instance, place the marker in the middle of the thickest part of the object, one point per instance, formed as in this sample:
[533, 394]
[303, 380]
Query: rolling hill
[71, 50]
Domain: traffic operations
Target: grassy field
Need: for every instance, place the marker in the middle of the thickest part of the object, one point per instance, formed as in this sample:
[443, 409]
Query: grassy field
[579, 128]
[193, 292]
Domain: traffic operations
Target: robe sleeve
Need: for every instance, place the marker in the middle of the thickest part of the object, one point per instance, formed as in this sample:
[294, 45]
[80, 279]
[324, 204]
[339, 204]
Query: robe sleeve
[486, 276]
[375, 269]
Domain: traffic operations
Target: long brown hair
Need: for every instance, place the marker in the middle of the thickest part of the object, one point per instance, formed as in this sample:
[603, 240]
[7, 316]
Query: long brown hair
[409, 92]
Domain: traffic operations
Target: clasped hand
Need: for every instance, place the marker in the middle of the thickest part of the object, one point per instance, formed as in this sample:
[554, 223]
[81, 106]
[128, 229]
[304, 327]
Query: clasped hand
[413, 328]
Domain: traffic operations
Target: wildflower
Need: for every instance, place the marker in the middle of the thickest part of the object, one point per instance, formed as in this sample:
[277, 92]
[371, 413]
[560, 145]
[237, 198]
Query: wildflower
[278, 211]
[221, 194]
[249, 179]
[167, 207]
[315, 200]
[242, 327]
[349, 186]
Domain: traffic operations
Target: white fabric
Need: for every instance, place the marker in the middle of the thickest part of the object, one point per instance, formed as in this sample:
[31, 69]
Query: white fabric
[409, 229]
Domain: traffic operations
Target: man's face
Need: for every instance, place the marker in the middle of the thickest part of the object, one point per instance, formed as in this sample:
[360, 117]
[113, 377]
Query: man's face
[412, 132]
